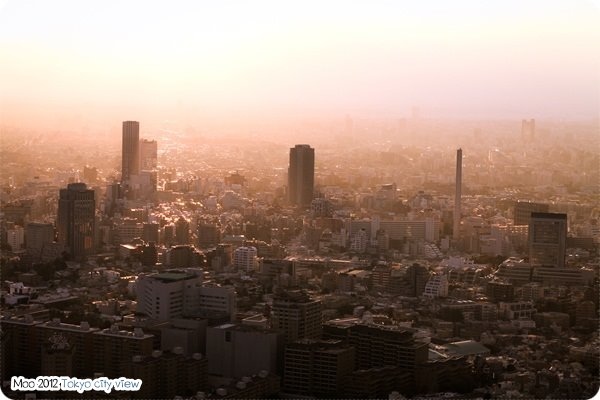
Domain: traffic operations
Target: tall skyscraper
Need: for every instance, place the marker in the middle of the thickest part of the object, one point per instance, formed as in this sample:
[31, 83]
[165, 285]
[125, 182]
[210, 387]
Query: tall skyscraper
[131, 150]
[76, 218]
[547, 239]
[301, 175]
[457, 196]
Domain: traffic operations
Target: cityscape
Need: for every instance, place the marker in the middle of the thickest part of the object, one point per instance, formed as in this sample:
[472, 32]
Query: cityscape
[357, 251]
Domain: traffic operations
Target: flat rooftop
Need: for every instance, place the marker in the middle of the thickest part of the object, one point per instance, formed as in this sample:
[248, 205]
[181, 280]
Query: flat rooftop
[172, 276]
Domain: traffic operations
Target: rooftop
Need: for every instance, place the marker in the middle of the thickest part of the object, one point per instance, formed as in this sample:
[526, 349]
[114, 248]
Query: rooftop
[172, 276]
[466, 348]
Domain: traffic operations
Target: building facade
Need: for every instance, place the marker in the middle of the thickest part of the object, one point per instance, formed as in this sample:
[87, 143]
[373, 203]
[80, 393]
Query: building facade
[76, 220]
[297, 315]
[130, 150]
[301, 175]
[547, 239]
[244, 258]
[523, 210]
[179, 293]
[235, 351]
[148, 155]
[317, 368]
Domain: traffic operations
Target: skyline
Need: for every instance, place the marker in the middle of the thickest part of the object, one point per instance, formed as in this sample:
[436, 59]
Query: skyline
[228, 61]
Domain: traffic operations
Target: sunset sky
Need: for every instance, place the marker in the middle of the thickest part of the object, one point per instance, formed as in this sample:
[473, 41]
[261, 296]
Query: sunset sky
[131, 59]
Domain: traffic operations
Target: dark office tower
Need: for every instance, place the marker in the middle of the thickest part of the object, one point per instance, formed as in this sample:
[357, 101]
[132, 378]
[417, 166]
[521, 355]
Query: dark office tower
[417, 277]
[111, 203]
[182, 231]
[131, 150]
[168, 234]
[547, 239]
[75, 223]
[523, 210]
[150, 233]
[457, 196]
[317, 368]
[301, 175]
[297, 315]
[209, 235]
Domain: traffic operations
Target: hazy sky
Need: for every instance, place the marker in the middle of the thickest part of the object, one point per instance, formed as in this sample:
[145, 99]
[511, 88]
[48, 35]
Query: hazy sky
[140, 59]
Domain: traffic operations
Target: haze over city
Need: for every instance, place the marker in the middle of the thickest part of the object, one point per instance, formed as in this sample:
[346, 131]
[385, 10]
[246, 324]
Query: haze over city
[267, 199]
[81, 62]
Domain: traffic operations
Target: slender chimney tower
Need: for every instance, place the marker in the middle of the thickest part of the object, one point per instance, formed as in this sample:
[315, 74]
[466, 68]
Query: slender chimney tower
[456, 226]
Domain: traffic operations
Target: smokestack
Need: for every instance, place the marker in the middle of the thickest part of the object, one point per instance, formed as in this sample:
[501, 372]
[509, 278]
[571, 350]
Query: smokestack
[456, 226]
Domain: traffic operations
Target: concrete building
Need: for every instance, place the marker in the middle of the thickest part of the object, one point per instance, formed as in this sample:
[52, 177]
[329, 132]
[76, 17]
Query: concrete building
[523, 209]
[209, 235]
[76, 220]
[15, 237]
[380, 277]
[547, 239]
[379, 383]
[244, 258]
[359, 241]
[416, 277]
[93, 351]
[182, 231]
[167, 374]
[113, 347]
[128, 229]
[321, 207]
[437, 286]
[150, 232]
[235, 351]
[417, 230]
[187, 334]
[148, 155]
[317, 368]
[379, 345]
[57, 356]
[296, 315]
[217, 300]
[183, 256]
[516, 310]
[498, 291]
[177, 293]
[164, 296]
